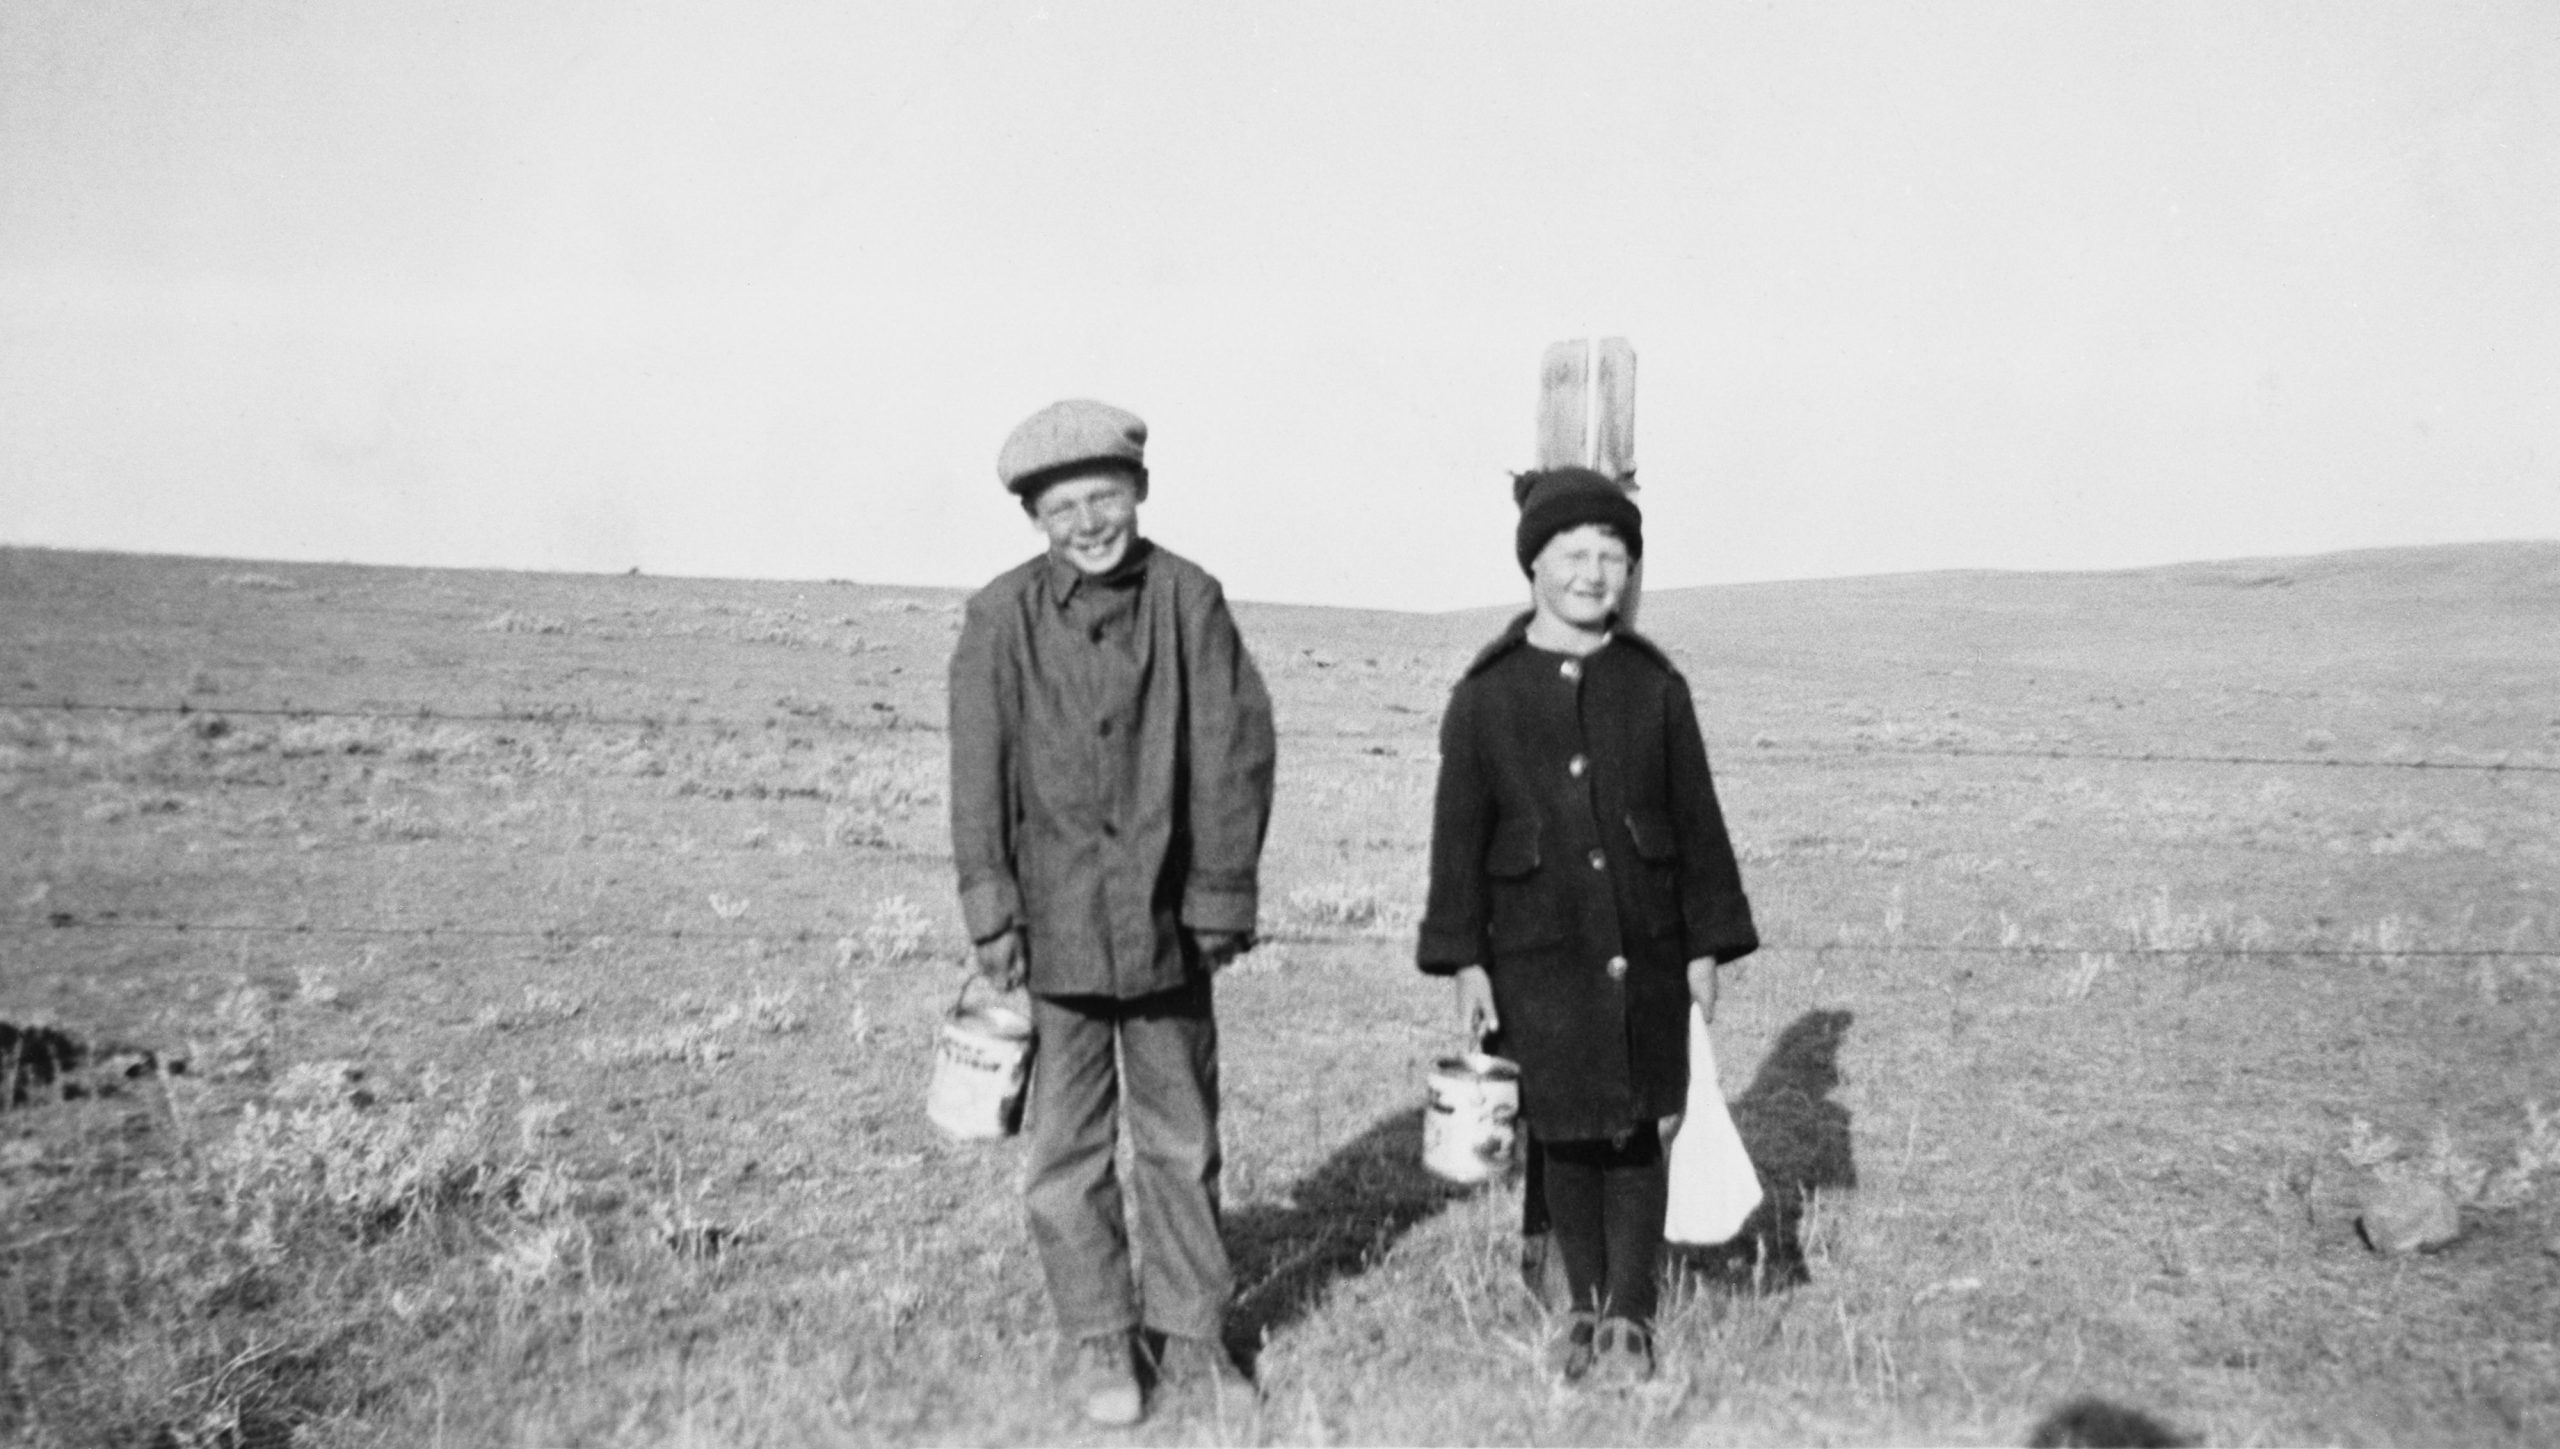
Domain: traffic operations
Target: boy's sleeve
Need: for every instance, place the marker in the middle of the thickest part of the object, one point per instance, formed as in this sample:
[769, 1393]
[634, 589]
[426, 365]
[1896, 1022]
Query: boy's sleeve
[1232, 757]
[981, 728]
[1453, 916]
[1716, 912]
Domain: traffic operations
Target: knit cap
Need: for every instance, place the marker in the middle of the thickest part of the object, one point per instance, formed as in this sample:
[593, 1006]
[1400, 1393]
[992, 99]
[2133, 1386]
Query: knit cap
[1553, 500]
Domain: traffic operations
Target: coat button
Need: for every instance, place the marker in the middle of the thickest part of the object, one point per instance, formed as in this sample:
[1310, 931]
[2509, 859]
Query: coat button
[1617, 968]
[1576, 766]
[1106, 729]
[1570, 669]
[1599, 861]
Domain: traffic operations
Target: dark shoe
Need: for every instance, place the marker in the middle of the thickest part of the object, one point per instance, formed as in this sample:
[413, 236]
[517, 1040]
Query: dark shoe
[1100, 1376]
[1621, 1354]
[1203, 1367]
[1569, 1357]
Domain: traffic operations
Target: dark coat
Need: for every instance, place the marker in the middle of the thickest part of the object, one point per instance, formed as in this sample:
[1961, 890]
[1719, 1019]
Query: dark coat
[1578, 853]
[1110, 784]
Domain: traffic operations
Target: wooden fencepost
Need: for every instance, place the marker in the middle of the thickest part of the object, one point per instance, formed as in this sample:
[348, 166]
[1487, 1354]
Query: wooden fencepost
[1587, 418]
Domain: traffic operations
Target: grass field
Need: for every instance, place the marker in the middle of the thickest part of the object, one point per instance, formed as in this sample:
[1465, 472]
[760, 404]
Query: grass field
[555, 963]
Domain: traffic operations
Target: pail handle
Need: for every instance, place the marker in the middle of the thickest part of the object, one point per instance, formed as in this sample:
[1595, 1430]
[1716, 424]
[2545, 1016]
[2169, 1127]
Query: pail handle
[968, 977]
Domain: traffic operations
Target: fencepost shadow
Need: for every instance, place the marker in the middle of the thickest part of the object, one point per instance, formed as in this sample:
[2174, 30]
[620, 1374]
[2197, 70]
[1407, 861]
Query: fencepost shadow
[1798, 1138]
[1334, 1223]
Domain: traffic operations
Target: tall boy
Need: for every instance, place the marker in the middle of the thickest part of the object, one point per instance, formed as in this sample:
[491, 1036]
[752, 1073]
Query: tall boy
[1111, 770]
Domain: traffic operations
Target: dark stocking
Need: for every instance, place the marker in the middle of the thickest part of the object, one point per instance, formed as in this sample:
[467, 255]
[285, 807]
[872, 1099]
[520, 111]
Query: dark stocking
[1606, 1201]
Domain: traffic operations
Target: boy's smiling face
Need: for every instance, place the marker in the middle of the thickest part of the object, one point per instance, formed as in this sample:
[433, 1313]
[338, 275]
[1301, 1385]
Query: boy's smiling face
[1090, 518]
[1580, 577]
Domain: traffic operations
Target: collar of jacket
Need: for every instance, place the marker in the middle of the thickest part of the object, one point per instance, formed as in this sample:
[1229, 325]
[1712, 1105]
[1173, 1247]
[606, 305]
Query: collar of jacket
[1516, 634]
[1065, 578]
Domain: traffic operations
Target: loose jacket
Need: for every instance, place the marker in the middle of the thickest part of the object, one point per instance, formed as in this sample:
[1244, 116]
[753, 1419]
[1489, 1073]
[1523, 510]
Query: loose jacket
[1100, 803]
[1579, 855]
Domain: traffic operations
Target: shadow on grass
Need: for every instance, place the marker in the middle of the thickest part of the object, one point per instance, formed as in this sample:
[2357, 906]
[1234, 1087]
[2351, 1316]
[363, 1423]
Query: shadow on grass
[43, 1063]
[34, 1057]
[1373, 1190]
[1336, 1221]
[1798, 1138]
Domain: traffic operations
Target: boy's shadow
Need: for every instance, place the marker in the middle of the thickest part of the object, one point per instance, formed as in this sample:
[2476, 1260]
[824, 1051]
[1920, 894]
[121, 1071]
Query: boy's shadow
[1798, 1138]
[1336, 1220]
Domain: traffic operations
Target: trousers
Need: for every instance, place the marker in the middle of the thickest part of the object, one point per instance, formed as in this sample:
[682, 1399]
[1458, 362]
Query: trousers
[1153, 1060]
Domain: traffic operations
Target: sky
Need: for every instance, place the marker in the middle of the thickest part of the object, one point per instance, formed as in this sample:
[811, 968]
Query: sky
[756, 289]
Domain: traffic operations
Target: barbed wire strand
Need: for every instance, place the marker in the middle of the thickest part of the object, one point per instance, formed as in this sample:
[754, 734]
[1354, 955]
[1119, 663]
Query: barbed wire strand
[809, 935]
[2151, 757]
[889, 720]
[427, 714]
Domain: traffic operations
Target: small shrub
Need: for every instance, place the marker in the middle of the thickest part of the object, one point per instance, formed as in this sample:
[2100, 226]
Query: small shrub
[322, 1148]
[774, 1010]
[540, 1006]
[898, 931]
[1343, 907]
[316, 986]
[695, 1044]
[855, 826]
[2470, 1182]
[396, 821]
[2094, 966]
[543, 1004]
[541, 1257]
[242, 1032]
[688, 1234]
[2166, 929]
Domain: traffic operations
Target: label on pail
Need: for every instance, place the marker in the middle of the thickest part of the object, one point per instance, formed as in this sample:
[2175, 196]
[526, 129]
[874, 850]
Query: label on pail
[1471, 1120]
[980, 1066]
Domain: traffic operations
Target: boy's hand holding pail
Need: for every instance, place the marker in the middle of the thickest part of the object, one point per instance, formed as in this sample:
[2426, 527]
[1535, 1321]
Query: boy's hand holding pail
[1003, 960]
[981, 1063]
[1477, 1018]
[1471, 1119]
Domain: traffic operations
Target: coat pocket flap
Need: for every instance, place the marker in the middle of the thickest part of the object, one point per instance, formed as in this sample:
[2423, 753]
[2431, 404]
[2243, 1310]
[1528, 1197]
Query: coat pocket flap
[1653, 834]
[1513, 852]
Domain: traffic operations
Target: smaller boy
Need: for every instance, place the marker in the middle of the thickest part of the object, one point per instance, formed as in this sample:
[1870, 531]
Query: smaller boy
[1583, 893]
[1111, 775]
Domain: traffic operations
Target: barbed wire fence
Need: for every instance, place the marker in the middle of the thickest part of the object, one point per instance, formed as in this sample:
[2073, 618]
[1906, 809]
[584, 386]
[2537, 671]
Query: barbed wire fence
[895, 720]
[882, 717]
[804, 935]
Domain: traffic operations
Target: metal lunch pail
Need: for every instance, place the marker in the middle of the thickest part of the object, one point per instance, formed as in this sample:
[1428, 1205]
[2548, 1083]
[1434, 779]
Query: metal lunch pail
[980, 1064]
[1471, 1122]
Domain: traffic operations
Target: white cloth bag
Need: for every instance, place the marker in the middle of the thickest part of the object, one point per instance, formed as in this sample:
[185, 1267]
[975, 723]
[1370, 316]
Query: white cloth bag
[1713, 1185]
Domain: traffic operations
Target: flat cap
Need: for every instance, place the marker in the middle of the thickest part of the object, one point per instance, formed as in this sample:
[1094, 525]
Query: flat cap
[1067, 435]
